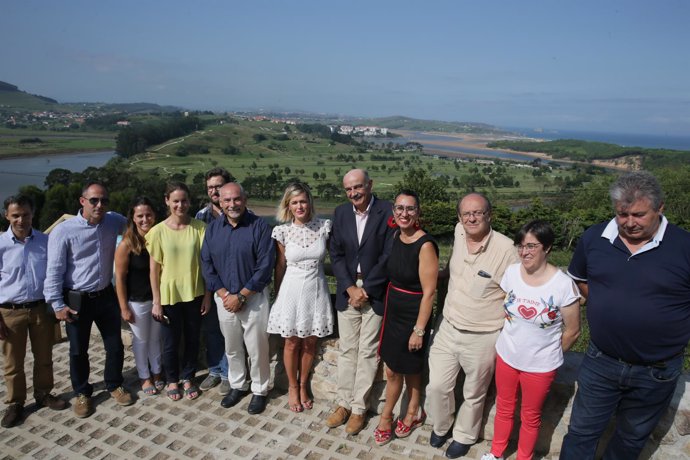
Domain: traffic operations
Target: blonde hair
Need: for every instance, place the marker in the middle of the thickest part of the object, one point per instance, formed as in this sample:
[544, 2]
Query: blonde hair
[296, 188]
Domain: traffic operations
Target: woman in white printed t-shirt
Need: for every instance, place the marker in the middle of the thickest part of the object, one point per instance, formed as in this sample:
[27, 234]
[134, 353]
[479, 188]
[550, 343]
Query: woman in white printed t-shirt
[542, 321]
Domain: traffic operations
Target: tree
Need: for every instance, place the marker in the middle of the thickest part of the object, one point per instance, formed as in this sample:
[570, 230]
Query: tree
[428, 189]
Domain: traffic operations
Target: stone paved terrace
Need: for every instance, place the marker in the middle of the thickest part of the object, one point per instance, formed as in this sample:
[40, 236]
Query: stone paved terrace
[157, 428]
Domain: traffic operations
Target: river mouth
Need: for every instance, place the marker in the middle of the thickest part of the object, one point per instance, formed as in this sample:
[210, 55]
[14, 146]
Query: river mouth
[33, 170]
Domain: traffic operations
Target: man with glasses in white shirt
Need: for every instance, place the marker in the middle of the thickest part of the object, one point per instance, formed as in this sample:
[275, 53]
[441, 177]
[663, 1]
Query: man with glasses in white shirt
[472, 319]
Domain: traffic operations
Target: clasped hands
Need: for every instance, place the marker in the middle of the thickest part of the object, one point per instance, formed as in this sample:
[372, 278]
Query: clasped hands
[358, 297]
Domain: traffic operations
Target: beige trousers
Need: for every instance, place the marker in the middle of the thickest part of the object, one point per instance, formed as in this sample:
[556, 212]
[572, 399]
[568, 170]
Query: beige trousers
[451, 351]
[37, 325]
[357, 363]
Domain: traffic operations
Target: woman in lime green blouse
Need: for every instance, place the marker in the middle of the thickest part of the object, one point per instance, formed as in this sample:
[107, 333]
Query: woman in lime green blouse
[179, 295]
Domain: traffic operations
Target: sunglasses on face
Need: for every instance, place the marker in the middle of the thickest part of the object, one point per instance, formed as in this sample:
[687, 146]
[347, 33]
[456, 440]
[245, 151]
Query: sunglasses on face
[94, 201]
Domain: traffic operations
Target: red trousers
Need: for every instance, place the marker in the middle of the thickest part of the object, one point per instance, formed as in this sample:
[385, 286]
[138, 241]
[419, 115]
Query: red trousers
[534, 387]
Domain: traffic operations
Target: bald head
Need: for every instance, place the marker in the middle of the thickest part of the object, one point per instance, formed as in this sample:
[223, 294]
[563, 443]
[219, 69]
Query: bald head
[358, 187]
[233, 202]
[474, 211]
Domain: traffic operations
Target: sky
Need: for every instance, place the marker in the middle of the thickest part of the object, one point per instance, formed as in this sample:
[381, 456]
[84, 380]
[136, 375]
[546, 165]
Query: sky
[613, 66]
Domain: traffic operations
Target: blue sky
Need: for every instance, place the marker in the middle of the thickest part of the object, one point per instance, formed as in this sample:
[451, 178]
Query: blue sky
[619, 66]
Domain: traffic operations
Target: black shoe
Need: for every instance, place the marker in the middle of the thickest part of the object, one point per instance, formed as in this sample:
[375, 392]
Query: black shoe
[233, 397]
[257, 405]
[457, 449]
[437, 440]
[12, 415]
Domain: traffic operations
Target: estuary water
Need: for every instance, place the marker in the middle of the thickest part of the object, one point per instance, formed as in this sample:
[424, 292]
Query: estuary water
[16, 172]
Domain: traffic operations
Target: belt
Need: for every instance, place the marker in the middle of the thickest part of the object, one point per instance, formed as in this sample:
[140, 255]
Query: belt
[20, 306]
[360, 276]
[96, 294]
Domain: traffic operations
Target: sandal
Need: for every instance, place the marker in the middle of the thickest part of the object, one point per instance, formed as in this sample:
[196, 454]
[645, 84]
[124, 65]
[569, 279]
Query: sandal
[294, 407]
[174, 394]
[150, 389]
[383, 437]
[191, 392]
[307, 403]
[159, 384]
[403, 431]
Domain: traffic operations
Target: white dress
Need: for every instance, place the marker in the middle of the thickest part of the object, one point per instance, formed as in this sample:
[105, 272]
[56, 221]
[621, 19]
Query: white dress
[303, 306]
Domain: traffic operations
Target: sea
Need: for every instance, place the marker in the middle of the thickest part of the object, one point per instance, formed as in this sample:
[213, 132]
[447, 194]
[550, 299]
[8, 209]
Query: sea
[654, 141]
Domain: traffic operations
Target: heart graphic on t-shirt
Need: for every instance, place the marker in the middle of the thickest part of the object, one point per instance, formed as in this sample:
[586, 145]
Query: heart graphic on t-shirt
[527, 312]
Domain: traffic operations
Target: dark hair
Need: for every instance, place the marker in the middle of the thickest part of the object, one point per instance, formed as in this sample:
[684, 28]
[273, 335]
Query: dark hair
[175, 185]
[541, 230]
[219, 172]
[636, 185]
[132, 238]
[20, 200]
[408, 192]
[91, 183]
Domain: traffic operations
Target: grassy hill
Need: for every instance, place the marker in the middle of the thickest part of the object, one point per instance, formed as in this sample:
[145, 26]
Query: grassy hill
[413, 124]
[12, 97]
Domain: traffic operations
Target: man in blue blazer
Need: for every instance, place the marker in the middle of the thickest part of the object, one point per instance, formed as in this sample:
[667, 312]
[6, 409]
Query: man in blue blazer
[360, 243]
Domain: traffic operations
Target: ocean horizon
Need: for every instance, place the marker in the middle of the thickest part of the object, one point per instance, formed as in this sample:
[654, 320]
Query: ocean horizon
[624, 139]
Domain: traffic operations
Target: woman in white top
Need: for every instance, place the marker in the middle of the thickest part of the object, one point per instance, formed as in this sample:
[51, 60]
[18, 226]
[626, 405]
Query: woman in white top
[302, 311]
[542, 321]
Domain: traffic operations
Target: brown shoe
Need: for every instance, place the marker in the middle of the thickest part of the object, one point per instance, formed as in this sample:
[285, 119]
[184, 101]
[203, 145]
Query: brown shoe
[12, 415]
[355, 424]
[122, 397]
[52, 402]
[338, 417]
[83, 407]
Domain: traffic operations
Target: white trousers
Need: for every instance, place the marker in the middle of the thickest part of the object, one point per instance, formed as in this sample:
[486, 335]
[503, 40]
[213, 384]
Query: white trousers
[146, 341]
[247, 327]
[451, 351]
[357, 364]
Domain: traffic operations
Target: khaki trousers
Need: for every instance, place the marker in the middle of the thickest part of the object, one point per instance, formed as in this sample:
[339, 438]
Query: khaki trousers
[36, 324]
[357, 364]
[451, 351]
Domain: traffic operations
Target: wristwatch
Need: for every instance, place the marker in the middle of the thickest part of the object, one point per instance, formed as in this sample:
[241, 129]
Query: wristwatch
[419, 331]
[242, 298]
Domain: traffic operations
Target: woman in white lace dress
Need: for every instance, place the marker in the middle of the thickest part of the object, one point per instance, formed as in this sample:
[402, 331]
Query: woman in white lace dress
[302, 311]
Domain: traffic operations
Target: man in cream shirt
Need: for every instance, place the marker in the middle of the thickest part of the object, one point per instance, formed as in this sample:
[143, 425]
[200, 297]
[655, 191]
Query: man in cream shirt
[472, 319]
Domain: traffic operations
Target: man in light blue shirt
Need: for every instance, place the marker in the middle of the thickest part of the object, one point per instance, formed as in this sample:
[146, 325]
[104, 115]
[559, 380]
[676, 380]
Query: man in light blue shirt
[78, 286]
[23, 311]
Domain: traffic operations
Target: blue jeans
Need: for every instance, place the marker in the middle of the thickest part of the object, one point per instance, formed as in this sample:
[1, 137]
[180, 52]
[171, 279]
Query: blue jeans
[637, 394]
[105, 312]
[185, 320]
[216, 359]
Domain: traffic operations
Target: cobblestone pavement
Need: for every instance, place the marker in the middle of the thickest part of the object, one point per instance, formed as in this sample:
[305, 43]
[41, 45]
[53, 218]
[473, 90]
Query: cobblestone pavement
[158, 428]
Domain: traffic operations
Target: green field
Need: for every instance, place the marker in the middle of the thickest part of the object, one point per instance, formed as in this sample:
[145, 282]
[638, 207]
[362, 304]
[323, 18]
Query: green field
[52, 142]
[294, 154]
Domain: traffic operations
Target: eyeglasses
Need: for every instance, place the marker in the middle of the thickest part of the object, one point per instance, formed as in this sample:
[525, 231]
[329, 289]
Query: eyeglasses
[529, 247]
[475, 214]
[214, 187]
[94, 201]
[399, 209]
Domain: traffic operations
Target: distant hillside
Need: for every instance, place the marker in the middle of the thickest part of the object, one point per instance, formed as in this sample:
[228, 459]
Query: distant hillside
[394, 122]
[12, 97]
[413, 124]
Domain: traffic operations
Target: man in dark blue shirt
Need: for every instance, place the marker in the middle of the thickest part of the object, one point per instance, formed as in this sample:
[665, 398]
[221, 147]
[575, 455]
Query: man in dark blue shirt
[237, 258]
[635, 273]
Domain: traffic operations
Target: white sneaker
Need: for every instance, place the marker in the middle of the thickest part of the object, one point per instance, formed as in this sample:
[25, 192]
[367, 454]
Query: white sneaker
[490, 456]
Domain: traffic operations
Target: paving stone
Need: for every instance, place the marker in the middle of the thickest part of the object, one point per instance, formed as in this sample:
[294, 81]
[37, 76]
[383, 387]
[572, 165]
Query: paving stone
[156, 428]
